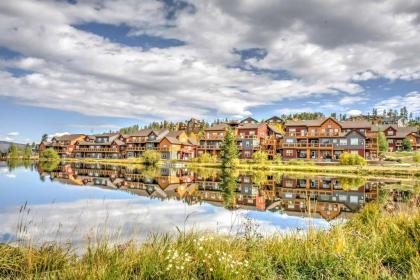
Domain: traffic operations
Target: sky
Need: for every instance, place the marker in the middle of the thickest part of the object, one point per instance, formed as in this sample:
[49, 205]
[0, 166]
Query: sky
[98, 65]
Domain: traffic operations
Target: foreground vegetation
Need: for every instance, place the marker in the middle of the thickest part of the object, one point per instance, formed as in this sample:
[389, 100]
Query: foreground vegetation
[376, 244]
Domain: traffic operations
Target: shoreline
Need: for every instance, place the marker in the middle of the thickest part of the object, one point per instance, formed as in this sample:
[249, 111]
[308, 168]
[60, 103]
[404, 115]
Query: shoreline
[386, 169]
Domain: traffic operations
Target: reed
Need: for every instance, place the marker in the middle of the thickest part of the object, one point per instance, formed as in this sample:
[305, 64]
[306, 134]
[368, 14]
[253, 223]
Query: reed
[376, 244]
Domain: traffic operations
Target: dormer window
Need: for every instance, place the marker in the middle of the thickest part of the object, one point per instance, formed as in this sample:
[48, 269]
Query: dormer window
[390, 132]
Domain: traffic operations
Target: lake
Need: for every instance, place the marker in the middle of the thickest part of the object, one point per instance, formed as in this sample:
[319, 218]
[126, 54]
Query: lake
[78, 202]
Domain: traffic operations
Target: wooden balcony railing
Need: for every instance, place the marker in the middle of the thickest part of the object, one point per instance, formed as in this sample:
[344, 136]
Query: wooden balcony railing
[138, 140]
[97, 150]
[135, 149]
[209, 147]
[306, 145]
[312, 134]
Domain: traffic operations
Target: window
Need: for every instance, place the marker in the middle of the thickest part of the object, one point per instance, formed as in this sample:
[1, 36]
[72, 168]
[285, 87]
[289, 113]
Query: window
[354, 141]
[303, 132]
[252, 132]
[289, 140]
[342, 197]
[390, 132]
[390, 141]
[343, 142]
[355, 152]
[289, 153]
[354, 199]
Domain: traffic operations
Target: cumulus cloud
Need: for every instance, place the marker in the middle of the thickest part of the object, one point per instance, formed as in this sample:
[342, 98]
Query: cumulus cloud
[411, 101]
[354, 112]
[323, 47]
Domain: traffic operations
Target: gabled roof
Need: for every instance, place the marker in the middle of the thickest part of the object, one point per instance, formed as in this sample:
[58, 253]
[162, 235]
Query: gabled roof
[275, 119]
[68, 137]
[249, 119]
[356, 124]
[401, 132]
[220, 126]
[317, 122]
[250, 125]
[147, 132]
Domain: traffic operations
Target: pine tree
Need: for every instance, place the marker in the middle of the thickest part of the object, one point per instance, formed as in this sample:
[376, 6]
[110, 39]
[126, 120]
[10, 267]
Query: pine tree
[229, 150]
[406, 144]
[44, 137]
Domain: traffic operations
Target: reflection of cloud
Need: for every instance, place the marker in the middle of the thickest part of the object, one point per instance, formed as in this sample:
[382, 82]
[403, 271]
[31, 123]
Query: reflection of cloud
[123, 220]
[7, 173]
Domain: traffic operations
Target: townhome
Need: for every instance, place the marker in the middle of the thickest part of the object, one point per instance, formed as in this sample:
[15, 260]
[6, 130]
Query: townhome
[212, 139]
[364, 127]
[177, 145]
[250, 133]
[395, 136]
[321, 139]
[63, 145]
[107, 145]
[145, 139]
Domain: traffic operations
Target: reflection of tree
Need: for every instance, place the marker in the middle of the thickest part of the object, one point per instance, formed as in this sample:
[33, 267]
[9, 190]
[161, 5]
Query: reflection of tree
[15, 163]
[49, 166]
[351, 183]
[206, 173]
[151, 172]
[259, 178]
[229, 185]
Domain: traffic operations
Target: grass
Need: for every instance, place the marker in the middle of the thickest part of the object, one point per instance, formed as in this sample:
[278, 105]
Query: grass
[376, 244]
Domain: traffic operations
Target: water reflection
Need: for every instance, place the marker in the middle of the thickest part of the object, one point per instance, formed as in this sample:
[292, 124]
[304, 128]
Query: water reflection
[69, 201]
[319, 196]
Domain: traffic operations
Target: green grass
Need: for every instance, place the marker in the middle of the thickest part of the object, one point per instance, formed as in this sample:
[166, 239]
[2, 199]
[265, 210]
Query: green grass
[375, 245]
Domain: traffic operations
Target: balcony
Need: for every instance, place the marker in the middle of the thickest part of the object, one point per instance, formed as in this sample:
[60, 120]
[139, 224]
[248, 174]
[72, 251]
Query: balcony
[306, 145]
[135, 149]
[209, 147]
[136, 140]
[371, 146]
[97, 150]
[311, 134]
[214, 137]
[247, 136]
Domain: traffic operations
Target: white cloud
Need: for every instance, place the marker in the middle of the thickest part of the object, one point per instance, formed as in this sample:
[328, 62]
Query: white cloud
[57, 134]
[354, 112]
[411, 101]
[6, 138]
[14, 133]
[352, 100]
[321, 44]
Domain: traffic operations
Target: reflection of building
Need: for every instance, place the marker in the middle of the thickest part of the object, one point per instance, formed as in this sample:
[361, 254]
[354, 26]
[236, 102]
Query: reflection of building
[327, 197]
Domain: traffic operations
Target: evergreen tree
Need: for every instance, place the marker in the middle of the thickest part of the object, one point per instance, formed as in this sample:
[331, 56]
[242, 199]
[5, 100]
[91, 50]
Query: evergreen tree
[229, 185]
[382, 142]
[229, 150]
[44, 137]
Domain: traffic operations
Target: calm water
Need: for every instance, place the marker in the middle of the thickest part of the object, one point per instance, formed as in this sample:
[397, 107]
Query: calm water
[77, 202]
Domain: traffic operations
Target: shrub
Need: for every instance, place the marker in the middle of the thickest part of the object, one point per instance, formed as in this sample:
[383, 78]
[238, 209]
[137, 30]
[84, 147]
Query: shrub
[151, 157]
[278, 159]
[206, 158]
[406, 144]
[49, 154]
[260, 157]
[416, 157]
[351, 159]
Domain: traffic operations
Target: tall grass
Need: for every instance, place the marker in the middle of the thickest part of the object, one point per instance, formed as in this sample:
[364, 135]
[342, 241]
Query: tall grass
[376, 244]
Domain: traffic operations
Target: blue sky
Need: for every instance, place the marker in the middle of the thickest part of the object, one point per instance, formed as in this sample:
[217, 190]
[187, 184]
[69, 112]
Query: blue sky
[70, 67]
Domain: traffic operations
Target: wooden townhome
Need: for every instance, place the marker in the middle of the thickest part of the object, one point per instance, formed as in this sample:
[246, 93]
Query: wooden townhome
[322, 138]
[145, 139]
[107, 145]
[275, 130]
[64, 145]
[395, 136]
[250, 133]
[177, 145]
[212, 139]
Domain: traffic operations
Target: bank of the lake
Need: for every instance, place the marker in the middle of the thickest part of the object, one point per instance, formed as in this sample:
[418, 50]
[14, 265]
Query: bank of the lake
[376, 244]
[378, 169]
